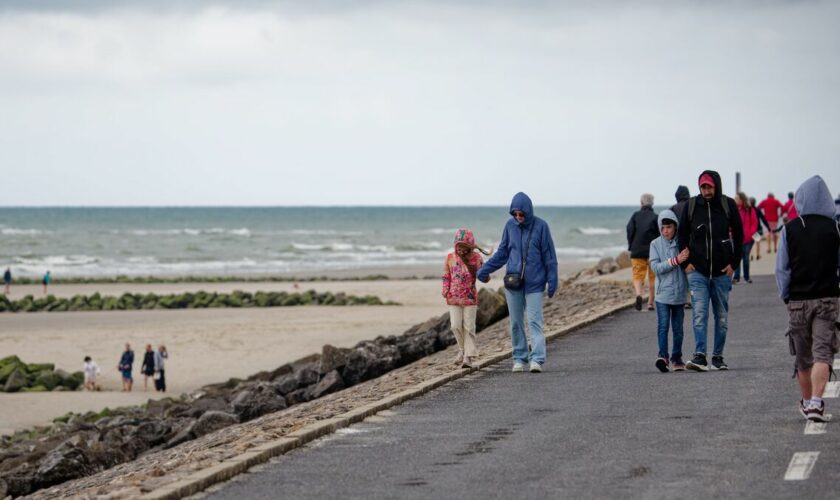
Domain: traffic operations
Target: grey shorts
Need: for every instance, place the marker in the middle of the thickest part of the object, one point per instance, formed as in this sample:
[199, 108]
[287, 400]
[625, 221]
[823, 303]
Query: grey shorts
[813, 331]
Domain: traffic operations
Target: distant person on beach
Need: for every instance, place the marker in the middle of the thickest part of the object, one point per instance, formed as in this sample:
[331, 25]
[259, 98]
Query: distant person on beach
[91, 371]
[710, 228]
[806, 274]
[148, 367]
[762, 223]
[749, 221]
[671, 291]
[461, 294]
[789, 209]
[160, 373]
[773, 211]
[526, 248]
[45, 281]
[642, 229]
[7, 281]
[682, 195]
[125, 366]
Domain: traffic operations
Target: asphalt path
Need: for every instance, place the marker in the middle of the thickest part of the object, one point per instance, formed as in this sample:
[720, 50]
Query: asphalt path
[600, 422]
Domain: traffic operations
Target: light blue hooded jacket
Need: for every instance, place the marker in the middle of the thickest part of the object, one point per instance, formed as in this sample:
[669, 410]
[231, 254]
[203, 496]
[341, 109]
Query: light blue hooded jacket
[671, 283]
[541, 265]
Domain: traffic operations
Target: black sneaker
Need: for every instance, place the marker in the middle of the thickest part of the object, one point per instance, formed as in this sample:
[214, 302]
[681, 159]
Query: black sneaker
[698, 363]
[718, 364]
[817, 414]
[638, 302]
[662, 364]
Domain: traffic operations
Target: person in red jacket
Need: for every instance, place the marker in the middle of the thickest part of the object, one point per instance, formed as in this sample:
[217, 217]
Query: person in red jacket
[749, 219]
[789, 209]
[772, 209]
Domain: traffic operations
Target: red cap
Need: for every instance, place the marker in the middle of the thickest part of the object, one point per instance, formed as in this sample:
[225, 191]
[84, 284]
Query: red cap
[707, 179]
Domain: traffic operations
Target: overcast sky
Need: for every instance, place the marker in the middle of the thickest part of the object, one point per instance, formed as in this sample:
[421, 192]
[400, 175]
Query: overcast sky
[417, 103]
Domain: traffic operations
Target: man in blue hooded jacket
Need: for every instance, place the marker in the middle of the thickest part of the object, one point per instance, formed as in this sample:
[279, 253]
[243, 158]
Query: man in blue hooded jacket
[526, 240]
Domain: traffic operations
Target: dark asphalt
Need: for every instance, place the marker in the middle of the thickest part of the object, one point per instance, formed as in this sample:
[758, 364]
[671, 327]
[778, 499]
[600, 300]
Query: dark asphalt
[600, 422]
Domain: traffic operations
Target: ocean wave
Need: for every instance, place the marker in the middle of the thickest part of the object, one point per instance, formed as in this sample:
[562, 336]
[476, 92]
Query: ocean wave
[596, 231]
[13, 231]
[439, 230]
[581, 253]
[244, 232]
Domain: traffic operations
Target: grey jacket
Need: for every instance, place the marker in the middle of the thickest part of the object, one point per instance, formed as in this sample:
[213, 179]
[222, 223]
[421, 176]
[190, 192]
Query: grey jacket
[671, 283]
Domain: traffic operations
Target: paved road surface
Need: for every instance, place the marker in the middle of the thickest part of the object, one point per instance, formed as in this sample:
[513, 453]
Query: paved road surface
[600, 422]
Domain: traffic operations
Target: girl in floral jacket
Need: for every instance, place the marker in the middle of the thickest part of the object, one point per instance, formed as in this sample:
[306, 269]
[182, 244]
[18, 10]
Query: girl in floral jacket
[461, 295]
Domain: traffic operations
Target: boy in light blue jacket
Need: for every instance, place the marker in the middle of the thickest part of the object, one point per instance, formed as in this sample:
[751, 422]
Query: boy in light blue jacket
[671, 290]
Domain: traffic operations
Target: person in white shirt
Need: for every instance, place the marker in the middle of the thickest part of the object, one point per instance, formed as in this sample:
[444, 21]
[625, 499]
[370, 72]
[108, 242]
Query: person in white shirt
[91, 370]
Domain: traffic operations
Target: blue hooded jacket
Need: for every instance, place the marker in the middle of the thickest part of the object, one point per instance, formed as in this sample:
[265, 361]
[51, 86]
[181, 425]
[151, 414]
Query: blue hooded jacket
[671, 283]
[541, 264]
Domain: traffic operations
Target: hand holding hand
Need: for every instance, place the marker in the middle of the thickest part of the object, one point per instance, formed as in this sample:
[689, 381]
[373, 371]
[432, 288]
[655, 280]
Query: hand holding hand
[683, 256]
[483, 279]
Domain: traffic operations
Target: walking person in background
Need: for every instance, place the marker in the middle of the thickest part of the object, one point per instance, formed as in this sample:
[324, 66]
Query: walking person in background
[526, 248]
[710, 227]
[148, 367]
[762, 222]
[45, 281]
[91, 371]
[772, 209]
[806, 274]
[461, 294]
[749, 221]
[671, 290]
[642, 229]
[125, 367]
[789, 209]
[682, 195]
[160, 373]
[7, 281]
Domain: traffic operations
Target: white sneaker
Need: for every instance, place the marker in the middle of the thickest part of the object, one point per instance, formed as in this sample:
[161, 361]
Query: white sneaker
[536, 367]
[518, 367]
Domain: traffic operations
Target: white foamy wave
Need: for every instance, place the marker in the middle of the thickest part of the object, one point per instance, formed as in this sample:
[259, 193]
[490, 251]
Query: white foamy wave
[322, 232]
[597, 231]
[245, 232]
[583, 253]
[55, 261]
[12, 231]
[440, 230]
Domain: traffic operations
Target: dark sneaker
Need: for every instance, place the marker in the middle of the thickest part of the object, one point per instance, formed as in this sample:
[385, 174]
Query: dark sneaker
[817, 413]
[677, 365]
[718, 364]
[698, 363]
[662, 365]
[638, 302]
[803, 410]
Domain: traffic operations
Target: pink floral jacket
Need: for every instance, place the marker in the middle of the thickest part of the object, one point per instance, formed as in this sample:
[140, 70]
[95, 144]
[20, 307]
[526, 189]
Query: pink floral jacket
[458, 282]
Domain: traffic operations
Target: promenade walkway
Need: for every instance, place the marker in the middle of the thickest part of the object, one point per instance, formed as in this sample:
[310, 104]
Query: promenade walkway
[600, 422]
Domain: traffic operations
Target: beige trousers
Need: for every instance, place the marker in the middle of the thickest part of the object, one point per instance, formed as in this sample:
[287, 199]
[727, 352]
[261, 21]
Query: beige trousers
[462, 321]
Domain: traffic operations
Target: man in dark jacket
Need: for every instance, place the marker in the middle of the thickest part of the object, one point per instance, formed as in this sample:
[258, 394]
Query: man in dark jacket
[682, 195]
[525, 239]
[711, 229]
[641, 230]
[806, 273]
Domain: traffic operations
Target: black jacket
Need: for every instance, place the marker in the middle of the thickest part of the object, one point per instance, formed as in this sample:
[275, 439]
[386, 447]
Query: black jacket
[641, 230]
[713, 240]
[682, 195]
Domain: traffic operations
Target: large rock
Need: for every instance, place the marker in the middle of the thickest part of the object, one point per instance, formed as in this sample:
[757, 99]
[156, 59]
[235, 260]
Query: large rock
[369, 361]
[623, 260]
[153, 432]
[285, 384]
[308, 374]
[333, 358]
[213, 420]
[257, 401]
[48, 379]
[12, 364]
[62, 464]
[331, 382]
[492, 307]
[205, 404]
[299, 396]
[412, 348]
[606, 265]
[16, 381]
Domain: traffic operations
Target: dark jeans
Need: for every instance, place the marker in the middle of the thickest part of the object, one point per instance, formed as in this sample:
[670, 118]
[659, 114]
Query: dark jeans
[673, 315]
[745, 262]
[160, 383]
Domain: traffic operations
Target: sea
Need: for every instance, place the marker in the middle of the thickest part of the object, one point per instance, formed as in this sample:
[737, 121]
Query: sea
[257, 241]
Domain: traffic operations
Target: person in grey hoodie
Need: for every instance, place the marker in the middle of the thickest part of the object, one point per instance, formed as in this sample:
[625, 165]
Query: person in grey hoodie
[807, 267]
[671, 290]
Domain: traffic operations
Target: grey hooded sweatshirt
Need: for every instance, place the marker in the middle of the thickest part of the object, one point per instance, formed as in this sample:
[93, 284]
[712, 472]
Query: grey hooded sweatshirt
[671, 283]
[809, 246]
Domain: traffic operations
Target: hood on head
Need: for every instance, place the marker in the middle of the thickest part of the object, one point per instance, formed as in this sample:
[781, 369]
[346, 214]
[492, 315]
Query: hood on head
[522, 203]
[814, 198]
[718, 184]
[668, 214]
[464, 236]
[682, 193]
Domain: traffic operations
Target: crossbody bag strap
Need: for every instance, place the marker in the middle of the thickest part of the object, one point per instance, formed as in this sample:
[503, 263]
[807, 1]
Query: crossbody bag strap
[525, 252]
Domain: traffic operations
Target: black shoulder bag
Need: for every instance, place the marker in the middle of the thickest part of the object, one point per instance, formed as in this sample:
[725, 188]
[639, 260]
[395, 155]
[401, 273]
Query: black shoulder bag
[515, 281]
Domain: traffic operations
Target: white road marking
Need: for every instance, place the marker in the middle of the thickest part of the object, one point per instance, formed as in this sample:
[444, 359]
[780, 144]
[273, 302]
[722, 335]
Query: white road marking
[815, 427]
[832, 390]
[801, 465]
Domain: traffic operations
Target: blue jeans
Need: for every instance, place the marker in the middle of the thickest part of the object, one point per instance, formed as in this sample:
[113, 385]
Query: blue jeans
[519, 303]
[745, 262]
[674, 315]
[705, 290]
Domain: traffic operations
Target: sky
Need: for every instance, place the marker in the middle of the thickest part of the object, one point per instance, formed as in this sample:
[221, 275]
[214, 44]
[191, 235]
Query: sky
[412, 102]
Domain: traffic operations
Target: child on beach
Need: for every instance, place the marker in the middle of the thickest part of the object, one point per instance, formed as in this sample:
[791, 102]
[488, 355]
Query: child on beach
[91, 370]
[671, 291]
[461, 295]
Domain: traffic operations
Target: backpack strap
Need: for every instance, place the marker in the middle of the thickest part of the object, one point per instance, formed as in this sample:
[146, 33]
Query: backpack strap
[692, 202]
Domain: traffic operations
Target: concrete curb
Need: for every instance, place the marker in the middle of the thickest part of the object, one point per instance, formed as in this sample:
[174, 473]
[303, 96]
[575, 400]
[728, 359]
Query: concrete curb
[224, 471]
